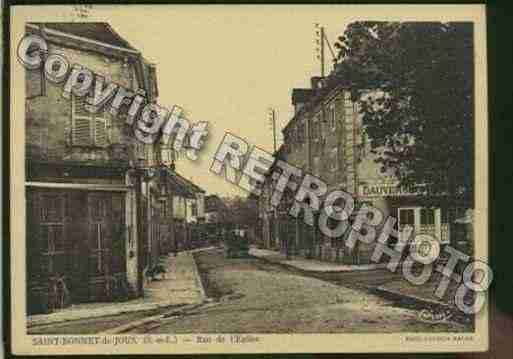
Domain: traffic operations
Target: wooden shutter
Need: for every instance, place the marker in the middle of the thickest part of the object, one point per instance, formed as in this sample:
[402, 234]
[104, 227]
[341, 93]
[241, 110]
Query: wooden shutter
[100, 132]
[88, 129]
[82, 131]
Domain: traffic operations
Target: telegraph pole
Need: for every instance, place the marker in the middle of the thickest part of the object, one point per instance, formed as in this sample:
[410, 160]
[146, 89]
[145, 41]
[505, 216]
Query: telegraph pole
[321, 41]
[322, 51]
[272, 122]
[319, 50]
[271, 113]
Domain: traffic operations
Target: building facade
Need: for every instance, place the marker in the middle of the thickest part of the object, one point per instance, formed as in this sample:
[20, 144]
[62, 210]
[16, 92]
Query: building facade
[326, 138]
[84, 176]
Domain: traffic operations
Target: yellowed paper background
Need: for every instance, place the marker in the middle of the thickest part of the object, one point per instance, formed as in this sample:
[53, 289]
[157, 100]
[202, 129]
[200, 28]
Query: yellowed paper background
[274, 20]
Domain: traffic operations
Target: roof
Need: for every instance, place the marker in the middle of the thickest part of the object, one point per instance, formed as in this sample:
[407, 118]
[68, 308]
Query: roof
[105, 36]
[301, 95]
[194, 187]
[183, 185]
[97, 31]
[213, 203]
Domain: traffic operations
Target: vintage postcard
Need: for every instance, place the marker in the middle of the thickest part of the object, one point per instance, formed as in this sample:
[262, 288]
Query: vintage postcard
[248, 179]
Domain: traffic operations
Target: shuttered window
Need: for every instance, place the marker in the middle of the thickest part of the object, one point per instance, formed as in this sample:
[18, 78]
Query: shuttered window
[166, 155]
[88, 129]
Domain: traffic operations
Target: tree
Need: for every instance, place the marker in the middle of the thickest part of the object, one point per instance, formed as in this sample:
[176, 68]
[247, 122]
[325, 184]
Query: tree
[421, 120]
[241, 212]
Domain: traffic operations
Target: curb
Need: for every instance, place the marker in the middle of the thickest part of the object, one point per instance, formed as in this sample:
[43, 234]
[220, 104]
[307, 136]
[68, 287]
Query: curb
[151, 307]
[129, 326]
[283, 263]
[399, 295]
[456, 315]
[146, 307]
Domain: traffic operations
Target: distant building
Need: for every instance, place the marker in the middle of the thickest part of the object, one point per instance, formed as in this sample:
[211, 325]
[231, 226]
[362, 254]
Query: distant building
[215, 209]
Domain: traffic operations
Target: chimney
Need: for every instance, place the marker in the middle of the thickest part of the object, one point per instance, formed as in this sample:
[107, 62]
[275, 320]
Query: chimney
[316, 82]
[300, 97]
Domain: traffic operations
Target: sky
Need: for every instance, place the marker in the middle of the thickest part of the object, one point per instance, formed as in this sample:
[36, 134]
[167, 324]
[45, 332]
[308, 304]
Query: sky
[224, 64]
[227, 65]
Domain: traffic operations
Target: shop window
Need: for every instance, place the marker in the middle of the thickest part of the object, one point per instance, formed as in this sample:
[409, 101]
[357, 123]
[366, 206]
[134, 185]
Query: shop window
[407, 216]
[427, 216]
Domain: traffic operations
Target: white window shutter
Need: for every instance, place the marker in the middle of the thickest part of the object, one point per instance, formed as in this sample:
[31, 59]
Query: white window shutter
[82, 131]
[88, 129]
[100, 132]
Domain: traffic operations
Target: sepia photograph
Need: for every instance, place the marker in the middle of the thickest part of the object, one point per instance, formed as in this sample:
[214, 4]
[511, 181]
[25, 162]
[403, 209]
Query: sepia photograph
[248, 179]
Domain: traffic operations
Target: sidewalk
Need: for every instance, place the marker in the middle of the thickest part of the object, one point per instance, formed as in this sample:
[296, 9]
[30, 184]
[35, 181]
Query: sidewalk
[395, 288]
[310, 265]
[181, 286]
[424, 293]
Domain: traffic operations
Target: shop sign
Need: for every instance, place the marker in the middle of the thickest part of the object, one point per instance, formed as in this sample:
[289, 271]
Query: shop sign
[390, 190]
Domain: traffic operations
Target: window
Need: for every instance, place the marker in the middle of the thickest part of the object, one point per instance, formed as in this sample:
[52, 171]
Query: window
[139, 150]
[166, 154]
[150, 153]
[293, 137]
[98, 212]
[301, 132]
[332, 118]
[51, 235]
[316, 129]
[317, 166]
[406, 216]
[88, 129]
[427, 216]
[194, 209]
[334, 159]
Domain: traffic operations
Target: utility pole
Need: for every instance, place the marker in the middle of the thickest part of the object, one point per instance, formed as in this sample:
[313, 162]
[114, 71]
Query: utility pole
[322, 51]
[321, 41]
[271, 112]
[272, 121]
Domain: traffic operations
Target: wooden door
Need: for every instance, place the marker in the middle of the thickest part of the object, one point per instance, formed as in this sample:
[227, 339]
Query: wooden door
[55, 248]
[100, 244]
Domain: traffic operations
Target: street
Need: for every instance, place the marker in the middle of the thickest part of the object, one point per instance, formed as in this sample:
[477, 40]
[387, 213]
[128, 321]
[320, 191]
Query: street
[252, 296]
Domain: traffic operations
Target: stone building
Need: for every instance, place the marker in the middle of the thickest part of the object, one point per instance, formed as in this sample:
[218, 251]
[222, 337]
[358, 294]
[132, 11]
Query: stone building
[326, 138]
[94, 193]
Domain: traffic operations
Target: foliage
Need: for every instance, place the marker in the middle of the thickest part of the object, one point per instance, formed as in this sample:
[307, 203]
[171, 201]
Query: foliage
[239, 211]
[419, 115]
